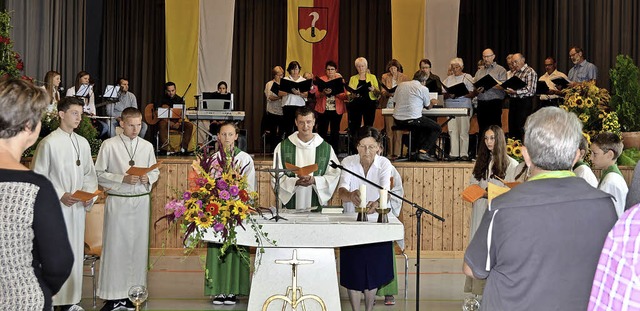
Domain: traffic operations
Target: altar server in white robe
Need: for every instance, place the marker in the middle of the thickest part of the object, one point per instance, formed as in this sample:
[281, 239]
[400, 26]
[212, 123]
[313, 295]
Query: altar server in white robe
[127, 210]
[65, 158]
[303, 148]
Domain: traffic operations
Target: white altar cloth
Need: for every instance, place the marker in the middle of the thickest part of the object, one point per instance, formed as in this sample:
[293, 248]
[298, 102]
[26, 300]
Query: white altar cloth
[315, 236]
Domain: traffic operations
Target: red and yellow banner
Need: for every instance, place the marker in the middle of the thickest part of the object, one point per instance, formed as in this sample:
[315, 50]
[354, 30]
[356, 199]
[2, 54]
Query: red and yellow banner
[312, 33]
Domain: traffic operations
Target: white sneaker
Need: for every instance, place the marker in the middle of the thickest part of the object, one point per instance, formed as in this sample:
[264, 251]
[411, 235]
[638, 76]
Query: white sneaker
[75, 308]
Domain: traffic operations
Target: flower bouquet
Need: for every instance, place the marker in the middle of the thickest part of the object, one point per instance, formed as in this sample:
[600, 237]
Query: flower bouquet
[514, 149]
[218, 199]
[591, 104]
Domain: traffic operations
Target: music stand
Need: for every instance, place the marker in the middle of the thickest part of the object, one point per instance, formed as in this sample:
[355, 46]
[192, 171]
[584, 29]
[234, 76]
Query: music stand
[165, 113]
[276, 174]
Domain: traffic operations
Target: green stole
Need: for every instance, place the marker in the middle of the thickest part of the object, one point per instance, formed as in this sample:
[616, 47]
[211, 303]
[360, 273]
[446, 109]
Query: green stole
[611, 169]
[580, 162]
[288, 155]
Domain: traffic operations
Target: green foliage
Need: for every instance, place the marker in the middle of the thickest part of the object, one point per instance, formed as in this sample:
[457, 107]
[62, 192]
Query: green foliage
[51, 122]
[629, 157]
[625, 98]
[10, 62]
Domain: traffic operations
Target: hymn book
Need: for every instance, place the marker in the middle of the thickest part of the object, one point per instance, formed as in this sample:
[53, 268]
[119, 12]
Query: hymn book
[486, 82]
[287, 86]
[542, 88]
[85, 196]
[456, 90]
[389, 90]
[362, 90]
[561, 82]
[335, 85]
[302, 171]
[513, 83]
[141, 171]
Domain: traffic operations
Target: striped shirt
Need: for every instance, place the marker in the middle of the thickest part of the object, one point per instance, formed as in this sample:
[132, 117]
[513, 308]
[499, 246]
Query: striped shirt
[616, 285]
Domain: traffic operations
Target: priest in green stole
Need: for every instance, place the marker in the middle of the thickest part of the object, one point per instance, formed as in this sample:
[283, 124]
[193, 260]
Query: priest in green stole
[303, 148]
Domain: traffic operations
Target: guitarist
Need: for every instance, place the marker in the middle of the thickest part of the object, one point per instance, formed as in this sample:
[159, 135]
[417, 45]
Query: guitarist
[169, 99]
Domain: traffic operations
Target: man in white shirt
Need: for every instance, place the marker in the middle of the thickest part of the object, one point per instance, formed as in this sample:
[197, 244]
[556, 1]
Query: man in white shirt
[411, 97]
[554, 96]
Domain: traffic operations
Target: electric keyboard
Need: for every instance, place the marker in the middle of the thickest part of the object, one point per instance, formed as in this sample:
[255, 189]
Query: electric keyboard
[436, 112]
[215, 115]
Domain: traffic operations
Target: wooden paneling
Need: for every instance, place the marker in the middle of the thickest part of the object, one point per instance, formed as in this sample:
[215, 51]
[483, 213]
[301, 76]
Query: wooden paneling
[435, 186]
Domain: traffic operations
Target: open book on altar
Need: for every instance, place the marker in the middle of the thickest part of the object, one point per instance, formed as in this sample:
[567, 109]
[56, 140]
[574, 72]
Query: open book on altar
[141, 171]
[85, 196]
[302, 171]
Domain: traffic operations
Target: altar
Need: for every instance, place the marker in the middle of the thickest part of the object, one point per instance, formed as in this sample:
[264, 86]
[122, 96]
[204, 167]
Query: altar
[314, 236]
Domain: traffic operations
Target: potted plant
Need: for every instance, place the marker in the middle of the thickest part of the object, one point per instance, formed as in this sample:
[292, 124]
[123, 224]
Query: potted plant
[625, 98]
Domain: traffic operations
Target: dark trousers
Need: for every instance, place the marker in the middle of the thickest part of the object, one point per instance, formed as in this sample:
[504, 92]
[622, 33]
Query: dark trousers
[519, 110]
[489, 113]
[275, 128]
[359, 109]
[289, 120]
[554, 102]
[425, 131]
[326, 119]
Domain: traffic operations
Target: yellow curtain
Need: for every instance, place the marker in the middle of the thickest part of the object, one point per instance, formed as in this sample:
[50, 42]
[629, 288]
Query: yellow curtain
[182, 20]
[407, 32]
[297, 48]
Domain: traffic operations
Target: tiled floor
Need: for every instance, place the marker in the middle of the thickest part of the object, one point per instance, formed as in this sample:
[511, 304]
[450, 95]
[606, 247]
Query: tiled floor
[176, 283]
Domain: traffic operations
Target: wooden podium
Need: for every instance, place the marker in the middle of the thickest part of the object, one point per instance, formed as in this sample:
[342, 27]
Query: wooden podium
[314, 236]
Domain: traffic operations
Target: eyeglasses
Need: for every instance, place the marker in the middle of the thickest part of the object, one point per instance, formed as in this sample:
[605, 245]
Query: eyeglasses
[572, 54]
[369, 147]
[487, 56]
[331, 69]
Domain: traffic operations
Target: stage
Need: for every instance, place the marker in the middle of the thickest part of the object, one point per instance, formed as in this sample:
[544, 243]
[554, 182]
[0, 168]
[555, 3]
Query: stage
[435, 186]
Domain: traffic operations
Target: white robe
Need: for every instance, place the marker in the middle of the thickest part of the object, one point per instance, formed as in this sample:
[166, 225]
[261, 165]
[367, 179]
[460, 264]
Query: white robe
[243, 159]
[585, 172]
[614, 184]
[56, 158]
[306, 155]
[125, 241]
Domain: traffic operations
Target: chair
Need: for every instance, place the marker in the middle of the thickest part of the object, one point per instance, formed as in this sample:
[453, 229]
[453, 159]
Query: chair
[94, 222]
[405, 130]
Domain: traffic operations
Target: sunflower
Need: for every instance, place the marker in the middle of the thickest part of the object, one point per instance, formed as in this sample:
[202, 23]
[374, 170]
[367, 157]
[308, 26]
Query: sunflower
[588, 103]
[205, 220]
[564, 107]
[587, 137]
[584, 117]
[517, 152]
[580, 102]
[509, 149]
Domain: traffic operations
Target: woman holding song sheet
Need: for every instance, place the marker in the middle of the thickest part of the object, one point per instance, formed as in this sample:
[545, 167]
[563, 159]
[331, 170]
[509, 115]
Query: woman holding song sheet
[364, 92]
[294, 100]
[390, 79]
[458, 94]
[330, 104]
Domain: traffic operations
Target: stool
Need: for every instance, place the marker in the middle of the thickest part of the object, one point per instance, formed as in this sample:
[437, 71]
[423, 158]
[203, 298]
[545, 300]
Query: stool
[405, 129]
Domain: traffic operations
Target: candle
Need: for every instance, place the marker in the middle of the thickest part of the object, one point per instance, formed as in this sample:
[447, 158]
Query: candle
[363, 195]
[383, 199]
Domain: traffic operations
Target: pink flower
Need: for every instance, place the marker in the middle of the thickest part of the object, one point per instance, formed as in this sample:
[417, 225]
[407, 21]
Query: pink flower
[222, 184]
[234, 190]
[224, 194]
[218, 226]
[186, 195]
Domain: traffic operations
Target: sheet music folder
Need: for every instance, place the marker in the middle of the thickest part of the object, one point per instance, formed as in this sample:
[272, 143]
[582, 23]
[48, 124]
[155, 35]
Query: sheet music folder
[336, 86]
[486, 82]
[513, 83]
[457, 90]
[288, 86]
[542, 88]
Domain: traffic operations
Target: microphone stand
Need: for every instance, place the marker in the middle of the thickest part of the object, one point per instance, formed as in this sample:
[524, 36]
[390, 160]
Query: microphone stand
[419, 210]
[184, 106]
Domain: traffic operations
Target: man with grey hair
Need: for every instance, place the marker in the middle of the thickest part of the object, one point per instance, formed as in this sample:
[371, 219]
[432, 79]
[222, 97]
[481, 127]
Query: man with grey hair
[538, 244]
[489, 110]
[411, 97]
[521, 100]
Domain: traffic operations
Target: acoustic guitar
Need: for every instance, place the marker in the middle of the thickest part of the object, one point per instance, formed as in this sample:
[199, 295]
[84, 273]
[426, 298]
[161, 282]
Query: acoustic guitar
[151, 114]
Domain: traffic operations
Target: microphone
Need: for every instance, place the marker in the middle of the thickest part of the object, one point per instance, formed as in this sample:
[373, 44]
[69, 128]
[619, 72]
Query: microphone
[333, 164]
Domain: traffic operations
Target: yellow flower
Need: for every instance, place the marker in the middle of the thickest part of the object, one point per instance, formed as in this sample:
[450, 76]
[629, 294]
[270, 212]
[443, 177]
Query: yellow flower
[588, 103]
[572, 104]
[204, 221]
[564, 107]
[509, 149]
[601, 115]
[584, 117]
[579, 102]
[517, 151]
[587, 137]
